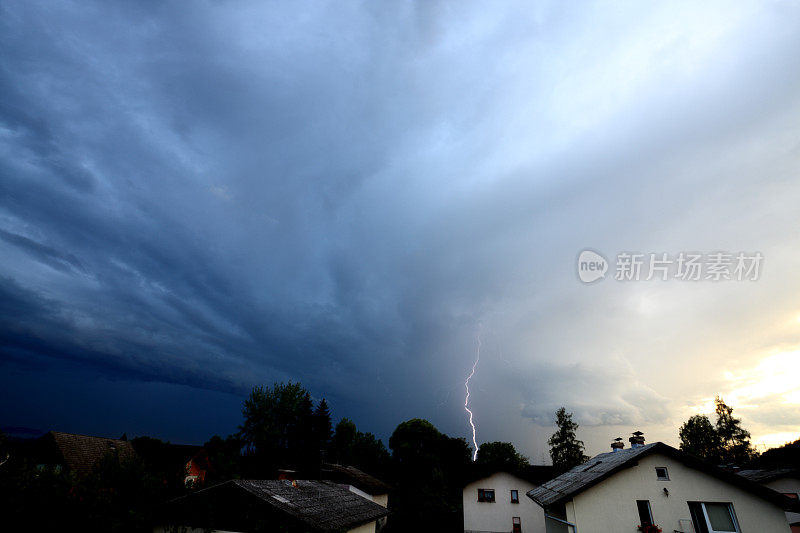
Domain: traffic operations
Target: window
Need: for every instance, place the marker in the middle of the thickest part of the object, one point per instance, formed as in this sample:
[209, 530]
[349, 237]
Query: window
[645, 516]
[711, 517]
[661, 473]
[515, 496]
[486, 495]
[516, 524]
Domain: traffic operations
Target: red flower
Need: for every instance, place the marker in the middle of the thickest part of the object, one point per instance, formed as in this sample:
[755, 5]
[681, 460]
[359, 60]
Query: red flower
[652, 528]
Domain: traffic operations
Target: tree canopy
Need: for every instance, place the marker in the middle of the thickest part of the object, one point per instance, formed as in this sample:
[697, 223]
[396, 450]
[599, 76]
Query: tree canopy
[500, 456]
[726, 441]
[429, 469]
[699, 437]
[278, 429]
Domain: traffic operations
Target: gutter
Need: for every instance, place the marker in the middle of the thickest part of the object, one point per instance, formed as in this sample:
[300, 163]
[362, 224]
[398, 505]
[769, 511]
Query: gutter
[569, 524]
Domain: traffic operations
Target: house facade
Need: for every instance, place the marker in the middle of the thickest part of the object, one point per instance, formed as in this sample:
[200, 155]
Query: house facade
[358, 482]
[497, 503]
[196, 469]
[657, 485]
[783, 480]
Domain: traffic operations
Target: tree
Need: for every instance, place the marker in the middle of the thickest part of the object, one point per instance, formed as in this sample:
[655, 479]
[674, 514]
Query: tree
[699, 438]
[786, 456]
[370, 454]
[362, 450]
[225, 458]
[344, 440]
[275, 432]
[566, 450]
[734, 440]
[430, 470]
[724, 442]
[323, 433]
[500, 456]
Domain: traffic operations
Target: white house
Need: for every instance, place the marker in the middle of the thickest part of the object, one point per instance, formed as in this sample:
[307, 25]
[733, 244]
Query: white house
[497, 503]
[656, 484]
[357, 481]
[361, 483]
[783, 480]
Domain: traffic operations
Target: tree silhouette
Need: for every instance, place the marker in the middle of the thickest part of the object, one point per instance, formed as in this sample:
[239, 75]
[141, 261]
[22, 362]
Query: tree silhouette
[500, 456]
[724, 442]
[276, 425]
[734, 440]
[566, 450]
[699, 437]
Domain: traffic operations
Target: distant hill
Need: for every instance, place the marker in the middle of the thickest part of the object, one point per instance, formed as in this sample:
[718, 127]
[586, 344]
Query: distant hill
[21, 432]
[787, 455]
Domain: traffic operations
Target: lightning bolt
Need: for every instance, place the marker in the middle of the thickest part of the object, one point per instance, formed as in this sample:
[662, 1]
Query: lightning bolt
[466, 400]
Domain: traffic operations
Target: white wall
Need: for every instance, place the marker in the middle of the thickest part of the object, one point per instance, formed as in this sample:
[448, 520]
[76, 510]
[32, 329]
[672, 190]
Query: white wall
[381, 499]
[785, 485]
[611, 505]
[496, 517]
[366, 528]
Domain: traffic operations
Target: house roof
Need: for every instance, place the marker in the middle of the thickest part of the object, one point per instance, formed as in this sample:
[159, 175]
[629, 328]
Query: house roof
[569, 484]
[767, 475]
[317, 505]
[351, 475]
[82, 452]
[323, 505]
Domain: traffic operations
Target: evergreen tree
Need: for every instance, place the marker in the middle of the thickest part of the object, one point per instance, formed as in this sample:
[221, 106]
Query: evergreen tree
[566, 450]
[734, 440]
[323, 431]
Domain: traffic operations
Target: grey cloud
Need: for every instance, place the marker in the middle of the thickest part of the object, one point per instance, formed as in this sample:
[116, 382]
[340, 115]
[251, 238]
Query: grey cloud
[45, 254]
[341, 196]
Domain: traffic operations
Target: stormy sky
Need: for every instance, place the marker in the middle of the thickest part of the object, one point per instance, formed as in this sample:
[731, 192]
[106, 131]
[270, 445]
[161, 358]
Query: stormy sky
[199, 198]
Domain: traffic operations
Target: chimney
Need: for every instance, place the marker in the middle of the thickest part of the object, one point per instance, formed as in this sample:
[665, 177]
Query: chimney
[617, 445]
[637, 441]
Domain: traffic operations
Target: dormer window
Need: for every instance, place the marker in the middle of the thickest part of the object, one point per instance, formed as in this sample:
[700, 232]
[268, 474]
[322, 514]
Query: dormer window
[662, 474]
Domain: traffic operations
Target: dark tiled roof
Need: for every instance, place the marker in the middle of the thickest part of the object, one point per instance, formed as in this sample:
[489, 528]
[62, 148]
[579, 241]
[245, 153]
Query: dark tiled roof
[323, 505]
[351, 475]
[569, 484]
[82, 452]
[765, 476]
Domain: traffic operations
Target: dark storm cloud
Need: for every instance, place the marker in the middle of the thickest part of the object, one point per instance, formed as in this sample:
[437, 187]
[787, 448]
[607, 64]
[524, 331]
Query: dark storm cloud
[236, 194]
